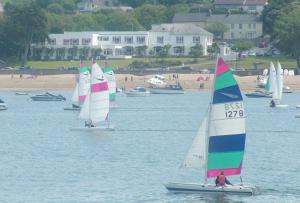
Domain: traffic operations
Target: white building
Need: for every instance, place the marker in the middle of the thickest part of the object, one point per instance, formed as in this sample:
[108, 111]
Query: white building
[179, 38]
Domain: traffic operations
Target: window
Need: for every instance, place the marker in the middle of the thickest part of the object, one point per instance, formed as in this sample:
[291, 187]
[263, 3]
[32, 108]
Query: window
[178, 50]
[232, 26]
[196, 39]
[254, 26]
[128, 40]
[103, 38]
[86, 41]
[74, 41]
[116, 40]
[160, 40]
[251, 35]
[232, 35]
[52, 42]
[66, 42]
[140, 40]
[249, 26]
[241, 26]
[179, 39]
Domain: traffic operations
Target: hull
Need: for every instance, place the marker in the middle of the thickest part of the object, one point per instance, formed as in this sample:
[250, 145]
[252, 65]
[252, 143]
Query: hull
[211, 189]
[281, 106]
[21, 93]
[297, 116]
[72, 109]
[93, 129]
[257, 95]
[3, 107]
[137, 94]
[46, 99]
[165, 91]
[298, 106]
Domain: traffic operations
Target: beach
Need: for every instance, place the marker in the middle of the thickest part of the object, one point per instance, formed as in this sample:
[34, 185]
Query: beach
[188, 81]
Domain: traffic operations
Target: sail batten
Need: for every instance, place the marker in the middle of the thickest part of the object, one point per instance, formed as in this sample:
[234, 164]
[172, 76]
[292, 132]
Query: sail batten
[226, 132]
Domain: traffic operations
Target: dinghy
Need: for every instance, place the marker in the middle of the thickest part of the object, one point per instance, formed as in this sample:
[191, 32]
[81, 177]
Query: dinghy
[81, 88]
[95, 108]
[220, 141]
[277, 80]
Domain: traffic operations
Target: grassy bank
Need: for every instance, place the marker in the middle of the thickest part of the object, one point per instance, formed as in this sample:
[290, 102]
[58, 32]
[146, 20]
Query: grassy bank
[203, 62]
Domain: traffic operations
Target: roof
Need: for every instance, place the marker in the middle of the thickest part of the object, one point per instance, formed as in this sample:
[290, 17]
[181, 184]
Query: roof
[240, 2]
[222, 18]
[180, 28]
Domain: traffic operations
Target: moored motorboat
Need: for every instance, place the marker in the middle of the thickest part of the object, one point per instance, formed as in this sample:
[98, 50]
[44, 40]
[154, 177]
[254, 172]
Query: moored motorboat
[168, 89]
[48, 97]
[258, 94]
[138, 92]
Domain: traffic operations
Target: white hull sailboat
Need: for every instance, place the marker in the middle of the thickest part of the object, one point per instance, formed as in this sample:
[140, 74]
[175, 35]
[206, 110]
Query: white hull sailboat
[277, 81]
[219, 144]
[95, 108]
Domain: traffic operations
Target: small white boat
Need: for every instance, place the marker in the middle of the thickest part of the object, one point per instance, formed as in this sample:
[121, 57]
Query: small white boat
[210, 188]
[138, 92]
[93, 129]
[3, 105]
[168, 89]
[298, 106]
[21, 93]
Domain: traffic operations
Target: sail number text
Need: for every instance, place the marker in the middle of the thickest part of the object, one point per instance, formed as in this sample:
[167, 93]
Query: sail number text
[233, 110]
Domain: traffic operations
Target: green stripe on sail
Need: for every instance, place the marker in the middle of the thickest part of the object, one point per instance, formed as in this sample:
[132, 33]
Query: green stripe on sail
[83, 69]
[112, 96]
[107, 69]
[268, 85]
[225, 80]
[225, 160]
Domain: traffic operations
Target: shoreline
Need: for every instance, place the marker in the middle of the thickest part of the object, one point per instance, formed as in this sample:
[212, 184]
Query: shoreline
[188, 81]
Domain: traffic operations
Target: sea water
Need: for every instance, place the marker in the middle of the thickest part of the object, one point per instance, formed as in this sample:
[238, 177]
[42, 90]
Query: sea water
[41, 160]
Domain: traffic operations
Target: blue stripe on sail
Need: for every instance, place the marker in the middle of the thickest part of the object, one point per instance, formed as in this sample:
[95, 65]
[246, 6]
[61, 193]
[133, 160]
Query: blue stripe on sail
[227, 143]
[228, 94]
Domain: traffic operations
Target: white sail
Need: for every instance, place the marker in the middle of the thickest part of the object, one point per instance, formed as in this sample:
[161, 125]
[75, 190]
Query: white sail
[279, 79]
[84, 83]
[110, 76]
[85, 109]
[196, 156]
[75, 96]
[272, 77]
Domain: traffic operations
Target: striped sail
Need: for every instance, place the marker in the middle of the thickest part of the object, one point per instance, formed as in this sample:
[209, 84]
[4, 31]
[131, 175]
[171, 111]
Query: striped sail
[226, 128]
[109, 74]
[84, 83]
[96, 106]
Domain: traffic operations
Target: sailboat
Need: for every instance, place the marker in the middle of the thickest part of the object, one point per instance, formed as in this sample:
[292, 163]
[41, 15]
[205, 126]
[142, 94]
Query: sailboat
[95, 108]
[81, 88]
[277, 80]
[110, 76]
[220, 142]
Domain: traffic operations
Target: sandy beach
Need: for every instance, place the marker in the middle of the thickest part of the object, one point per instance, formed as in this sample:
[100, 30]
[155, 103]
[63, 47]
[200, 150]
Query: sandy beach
[67, 81]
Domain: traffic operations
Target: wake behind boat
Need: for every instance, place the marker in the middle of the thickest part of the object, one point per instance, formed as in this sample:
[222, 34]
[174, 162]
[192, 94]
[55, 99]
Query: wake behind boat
[219, 145]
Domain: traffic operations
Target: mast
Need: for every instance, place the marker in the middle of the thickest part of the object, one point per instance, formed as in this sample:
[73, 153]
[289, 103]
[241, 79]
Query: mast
[90, 94]
[208, 119]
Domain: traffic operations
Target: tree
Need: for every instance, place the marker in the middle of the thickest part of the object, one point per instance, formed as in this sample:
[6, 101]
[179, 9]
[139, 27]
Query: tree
[25, 24]
[242, 46]
[165, 50]
[287, 30]
[122, 21]
[196, 50]
[218, 29]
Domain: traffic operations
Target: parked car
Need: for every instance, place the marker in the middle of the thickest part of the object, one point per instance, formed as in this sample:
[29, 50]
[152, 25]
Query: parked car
[251, 53]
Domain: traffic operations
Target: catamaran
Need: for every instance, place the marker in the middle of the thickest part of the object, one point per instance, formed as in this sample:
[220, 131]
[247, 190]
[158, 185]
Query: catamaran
[95, 108]
[81, 88]
[277, 81]
[220, 142]
[110, 76]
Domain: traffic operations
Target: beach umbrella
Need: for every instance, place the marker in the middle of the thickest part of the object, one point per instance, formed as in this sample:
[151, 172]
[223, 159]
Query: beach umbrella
[200, 78]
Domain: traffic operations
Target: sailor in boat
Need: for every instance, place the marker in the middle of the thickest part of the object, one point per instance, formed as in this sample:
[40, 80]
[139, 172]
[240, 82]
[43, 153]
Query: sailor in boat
[272, 103]
[89, 124]
[221, 180]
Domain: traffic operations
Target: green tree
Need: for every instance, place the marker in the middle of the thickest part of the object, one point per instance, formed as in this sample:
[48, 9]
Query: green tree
[242, 46]
[150, 14]
[55, 8]
[165, 50]
[122, 21]
[218, 29]
[287, 30]
[25, 24]
[196, 50]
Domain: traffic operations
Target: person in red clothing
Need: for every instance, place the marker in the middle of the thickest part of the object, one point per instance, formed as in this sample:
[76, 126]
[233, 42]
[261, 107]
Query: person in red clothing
[221, 180]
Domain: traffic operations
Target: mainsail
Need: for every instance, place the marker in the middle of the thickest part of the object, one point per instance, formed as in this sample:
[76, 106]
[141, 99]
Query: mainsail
[96, 106]
[226, 127]
[279, 79]
[84, 83]
[75, 96]
[109, 74]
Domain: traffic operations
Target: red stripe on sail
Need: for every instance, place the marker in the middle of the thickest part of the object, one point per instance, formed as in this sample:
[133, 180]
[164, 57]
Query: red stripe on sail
[227, 172]
[99, 87]
[222, 67]
[82, 98]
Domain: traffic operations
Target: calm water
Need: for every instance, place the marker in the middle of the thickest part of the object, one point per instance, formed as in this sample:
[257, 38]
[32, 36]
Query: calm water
[42, 161]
